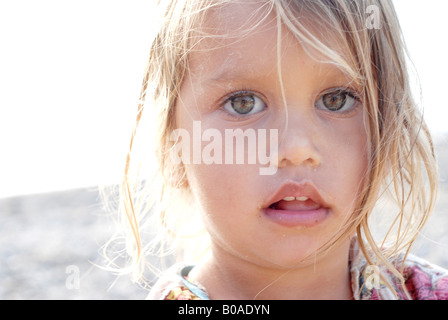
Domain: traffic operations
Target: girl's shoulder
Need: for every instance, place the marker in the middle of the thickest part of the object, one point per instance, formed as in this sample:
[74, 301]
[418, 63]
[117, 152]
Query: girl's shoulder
[422, 280]
[175, 285]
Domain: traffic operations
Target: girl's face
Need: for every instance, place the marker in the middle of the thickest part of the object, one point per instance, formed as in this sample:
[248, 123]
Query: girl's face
[321, 156]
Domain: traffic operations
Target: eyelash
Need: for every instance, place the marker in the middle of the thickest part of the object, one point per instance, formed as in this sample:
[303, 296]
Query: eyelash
[349, 92]
[240, 93]
[247, 92]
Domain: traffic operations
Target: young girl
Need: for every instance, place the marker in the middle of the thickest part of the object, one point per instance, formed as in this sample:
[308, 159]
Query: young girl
[321, 90]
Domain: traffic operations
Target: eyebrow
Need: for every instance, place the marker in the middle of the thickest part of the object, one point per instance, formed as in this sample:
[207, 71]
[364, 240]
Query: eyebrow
[240, 73]
[244, 75]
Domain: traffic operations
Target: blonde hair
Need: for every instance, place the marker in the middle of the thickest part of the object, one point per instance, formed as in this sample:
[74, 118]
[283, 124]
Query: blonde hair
[156, 206]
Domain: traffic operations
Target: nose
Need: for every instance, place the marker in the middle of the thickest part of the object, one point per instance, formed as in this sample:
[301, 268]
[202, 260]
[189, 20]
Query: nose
[298, 146]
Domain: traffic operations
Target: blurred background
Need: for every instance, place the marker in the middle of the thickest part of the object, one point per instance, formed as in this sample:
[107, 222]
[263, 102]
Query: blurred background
[70, 75]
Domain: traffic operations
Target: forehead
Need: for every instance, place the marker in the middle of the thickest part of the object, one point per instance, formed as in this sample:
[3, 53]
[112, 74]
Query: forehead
[242, 40]
[234, 39]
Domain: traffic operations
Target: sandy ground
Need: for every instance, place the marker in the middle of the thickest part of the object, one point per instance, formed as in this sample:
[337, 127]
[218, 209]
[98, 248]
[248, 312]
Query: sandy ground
[50, 243]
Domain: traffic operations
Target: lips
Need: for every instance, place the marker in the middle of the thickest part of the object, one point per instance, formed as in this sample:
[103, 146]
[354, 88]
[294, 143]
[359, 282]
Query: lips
[303, 192]
[297, 204]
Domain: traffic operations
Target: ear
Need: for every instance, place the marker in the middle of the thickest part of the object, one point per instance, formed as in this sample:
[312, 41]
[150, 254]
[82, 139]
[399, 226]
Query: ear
[182, 180]
[176, 177]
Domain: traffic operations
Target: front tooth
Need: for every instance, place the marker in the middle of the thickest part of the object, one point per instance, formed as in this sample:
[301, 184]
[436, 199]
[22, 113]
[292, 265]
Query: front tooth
[302, 198]
[289, 199]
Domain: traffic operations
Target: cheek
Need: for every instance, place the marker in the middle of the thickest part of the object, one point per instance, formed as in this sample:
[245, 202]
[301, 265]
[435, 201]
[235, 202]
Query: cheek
[225, 194]
[221, 189]
[347, 164]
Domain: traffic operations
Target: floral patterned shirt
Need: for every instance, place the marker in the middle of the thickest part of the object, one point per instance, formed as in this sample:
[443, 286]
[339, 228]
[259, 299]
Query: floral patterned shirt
[423, 281]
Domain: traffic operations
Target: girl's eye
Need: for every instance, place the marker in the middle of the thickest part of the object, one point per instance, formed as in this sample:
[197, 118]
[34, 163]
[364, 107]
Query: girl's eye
[243, 104]
[339, 100]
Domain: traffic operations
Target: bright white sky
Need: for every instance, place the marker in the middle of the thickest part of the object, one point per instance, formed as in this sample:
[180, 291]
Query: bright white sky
[70, 74]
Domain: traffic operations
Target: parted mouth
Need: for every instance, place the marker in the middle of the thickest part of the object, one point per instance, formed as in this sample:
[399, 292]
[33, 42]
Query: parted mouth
[297, 205]
[292, 203]
[297, 196]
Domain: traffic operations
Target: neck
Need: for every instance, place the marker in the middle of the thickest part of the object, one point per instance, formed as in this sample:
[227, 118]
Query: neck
[228, 277]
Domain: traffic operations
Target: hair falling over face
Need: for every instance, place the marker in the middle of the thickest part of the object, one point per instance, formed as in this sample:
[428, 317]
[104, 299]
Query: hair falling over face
[156, 204]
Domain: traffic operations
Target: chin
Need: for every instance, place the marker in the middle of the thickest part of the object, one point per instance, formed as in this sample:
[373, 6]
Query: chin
[293, 253]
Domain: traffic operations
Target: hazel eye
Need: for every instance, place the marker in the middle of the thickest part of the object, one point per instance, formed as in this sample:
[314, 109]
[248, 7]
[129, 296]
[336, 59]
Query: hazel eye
[339, 100]
[244, 104]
